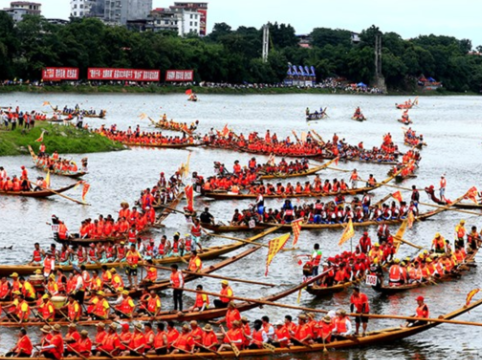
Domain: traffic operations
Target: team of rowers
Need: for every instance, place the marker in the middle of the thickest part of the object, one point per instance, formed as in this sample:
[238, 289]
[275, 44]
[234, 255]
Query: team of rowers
[176, 126]
[56, 164]
[358, 114]
[411, 138]
[137, 137]
[321, 213]
[78, 111]
[21, 183]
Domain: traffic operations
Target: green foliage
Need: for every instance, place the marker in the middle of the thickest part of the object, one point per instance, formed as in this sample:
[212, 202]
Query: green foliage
[233, 55]
[64, 139]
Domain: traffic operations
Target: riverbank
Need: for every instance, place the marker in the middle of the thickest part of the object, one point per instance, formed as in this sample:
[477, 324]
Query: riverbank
[166, 89]
[64, 139]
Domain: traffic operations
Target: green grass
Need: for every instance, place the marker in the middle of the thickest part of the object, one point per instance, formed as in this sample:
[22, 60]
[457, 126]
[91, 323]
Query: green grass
[64, 139]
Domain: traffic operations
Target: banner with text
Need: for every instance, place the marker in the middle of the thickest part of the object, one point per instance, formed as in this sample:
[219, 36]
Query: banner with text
[57, 74]
[123, 74]
[180, 75]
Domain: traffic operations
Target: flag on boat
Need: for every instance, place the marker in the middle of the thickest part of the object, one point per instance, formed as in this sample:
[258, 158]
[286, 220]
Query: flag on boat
[142, 116]
[275, 246]
[348, 233]
[47, 180]
[472, 194]
[397, 196]
[85, 190]
[470, 295]
[188, 92]
[188, 190]
[410, 219]
[225, 131]
[399, 235]
[45, 103]
[296, 226]
[271, 160]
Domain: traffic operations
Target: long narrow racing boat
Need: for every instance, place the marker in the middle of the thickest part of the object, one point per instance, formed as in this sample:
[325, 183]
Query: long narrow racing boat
[231, 196]
[44, 168]
[318, 290]
[38, 194]
[377, 337]
[208, 254]
[431, 193]
[310, 171]
[160, 146]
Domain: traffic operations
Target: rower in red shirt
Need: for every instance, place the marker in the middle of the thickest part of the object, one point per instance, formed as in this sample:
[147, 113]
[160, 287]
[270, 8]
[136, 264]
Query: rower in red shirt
[359, 303]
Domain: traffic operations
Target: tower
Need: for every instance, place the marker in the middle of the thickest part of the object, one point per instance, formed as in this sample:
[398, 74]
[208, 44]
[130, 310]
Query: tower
[379, 79]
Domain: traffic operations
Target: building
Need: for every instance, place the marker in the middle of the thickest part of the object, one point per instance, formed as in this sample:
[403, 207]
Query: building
[113, 12]
[18, 9]
[162, 19]
[189, 21]
[201, 9]
[80, 8]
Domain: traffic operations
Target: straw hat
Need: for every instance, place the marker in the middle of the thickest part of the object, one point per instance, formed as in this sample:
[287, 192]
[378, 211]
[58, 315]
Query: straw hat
[138, 326]
[340, 312]
[113, 326]
[45, 329]
[326, 319]
[56, 327]
[101, 325]
[224, 282]
[207, 327]
[72, 325]
[84, 332]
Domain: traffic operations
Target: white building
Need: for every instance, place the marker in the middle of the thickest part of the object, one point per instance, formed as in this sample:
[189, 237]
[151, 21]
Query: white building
[189, 21]
[18, 9]
[80, 8]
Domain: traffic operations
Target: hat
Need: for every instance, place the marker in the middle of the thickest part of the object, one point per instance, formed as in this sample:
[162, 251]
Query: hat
[224, 282]
[193, 322]
[56, 327]
[462, 221]
[340, 312]
[186, 326]
[46, 296]
[83, 332]
[428, 260]
[138, 326]
[125, 326]
[113, 326]
[101, 325]
[92, 245]
[278, 323]
[420, 298]
[437, 235]
[14, 275]
[326, 319]
[101, 293]
[207, 327]
[119, 289]
[52, 276]
[122, 242]
[45, 329]
[113, 270]
[72, 325]
[376, 245]
[245, 319]
[16, 292]
[38, 272]
[396, 261]
[125, 292]
[302, 317]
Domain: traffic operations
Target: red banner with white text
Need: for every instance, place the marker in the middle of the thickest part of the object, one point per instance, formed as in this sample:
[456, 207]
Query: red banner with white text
[180, 75]
[57, 74]
[123, 74]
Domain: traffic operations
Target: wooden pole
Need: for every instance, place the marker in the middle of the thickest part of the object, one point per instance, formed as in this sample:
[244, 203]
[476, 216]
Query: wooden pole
[232, 238]
[68, 198]
[217, 276]
[374, 316]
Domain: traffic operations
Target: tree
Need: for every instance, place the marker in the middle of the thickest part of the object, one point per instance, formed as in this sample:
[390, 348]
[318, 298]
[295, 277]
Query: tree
[324, 36]
[282, 36]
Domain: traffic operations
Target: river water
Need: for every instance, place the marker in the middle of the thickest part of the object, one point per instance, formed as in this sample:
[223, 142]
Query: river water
[451, 127]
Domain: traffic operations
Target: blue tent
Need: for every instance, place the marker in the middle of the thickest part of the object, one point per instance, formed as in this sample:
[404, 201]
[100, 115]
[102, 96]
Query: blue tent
[431, 79]
[361, 84]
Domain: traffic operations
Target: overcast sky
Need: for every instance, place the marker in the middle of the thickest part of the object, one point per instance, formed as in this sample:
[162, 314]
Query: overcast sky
[408, 18]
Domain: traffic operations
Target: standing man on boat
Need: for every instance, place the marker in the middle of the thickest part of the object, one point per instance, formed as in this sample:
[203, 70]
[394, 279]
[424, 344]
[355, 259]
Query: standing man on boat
[316, 259]
[177, 284]
[359, 302]
[443, 185]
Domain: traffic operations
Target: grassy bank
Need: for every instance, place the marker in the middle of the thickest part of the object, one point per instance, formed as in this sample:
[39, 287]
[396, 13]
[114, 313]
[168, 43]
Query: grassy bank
[64, 139]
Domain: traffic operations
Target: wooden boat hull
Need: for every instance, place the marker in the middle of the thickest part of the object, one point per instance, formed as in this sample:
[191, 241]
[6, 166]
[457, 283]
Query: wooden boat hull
[314, 117]
[231, 228]
[405, 122]
[310, 171]
[359, 119]
[320, 291]
[382, 336]
[161, 146]
[468, 206]
[37, 194]
[230, 196]
[403, 106]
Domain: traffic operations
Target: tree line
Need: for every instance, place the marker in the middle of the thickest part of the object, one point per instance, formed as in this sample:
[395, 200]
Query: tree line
[234, 56]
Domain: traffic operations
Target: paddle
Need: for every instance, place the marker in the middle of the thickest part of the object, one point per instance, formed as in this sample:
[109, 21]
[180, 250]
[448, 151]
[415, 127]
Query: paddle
[188, 352]
[207, 349]
[77, 353]
[232, 238]
[218, 277]
[407, 242]
[301, 343]
[233, 346]
[135, 351]
[67, 197]
[105, 352]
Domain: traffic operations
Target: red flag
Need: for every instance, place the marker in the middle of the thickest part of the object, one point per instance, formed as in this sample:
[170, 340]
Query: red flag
[41, 138]
[85, 190]
[398, 196]
[472, 194]
[188, 190]
[189, 92]
[296, 226]
[225, 130]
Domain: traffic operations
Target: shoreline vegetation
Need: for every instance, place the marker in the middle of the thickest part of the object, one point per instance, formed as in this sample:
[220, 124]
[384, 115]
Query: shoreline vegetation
[166, 90]
[64, 139]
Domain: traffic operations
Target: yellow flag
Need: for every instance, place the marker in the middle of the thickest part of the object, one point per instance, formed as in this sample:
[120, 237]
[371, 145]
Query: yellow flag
[348, 233]
[275, 246]
[410, 219]
[45, 103]
[399, 235]
[186, 168]
[47, 179]
[142, 116]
